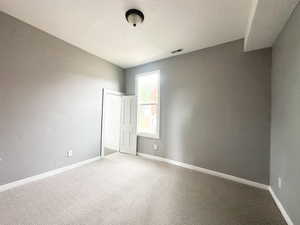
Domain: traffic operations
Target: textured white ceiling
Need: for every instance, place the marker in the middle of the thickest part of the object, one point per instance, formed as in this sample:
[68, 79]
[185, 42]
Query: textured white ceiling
[100, 27]
[266, 20]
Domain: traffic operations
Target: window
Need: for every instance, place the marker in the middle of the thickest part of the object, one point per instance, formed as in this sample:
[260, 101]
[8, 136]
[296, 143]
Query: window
[148, 94]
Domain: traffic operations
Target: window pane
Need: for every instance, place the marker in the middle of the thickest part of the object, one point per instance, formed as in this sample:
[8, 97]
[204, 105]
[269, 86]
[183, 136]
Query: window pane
[148, 88]
[147, 119]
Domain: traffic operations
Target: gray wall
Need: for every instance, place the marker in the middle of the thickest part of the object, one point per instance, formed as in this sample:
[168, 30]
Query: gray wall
[50, 101]
[285, 139]
[215, 110]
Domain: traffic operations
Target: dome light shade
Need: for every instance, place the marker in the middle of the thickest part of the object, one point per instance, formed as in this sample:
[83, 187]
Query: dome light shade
[134, 17]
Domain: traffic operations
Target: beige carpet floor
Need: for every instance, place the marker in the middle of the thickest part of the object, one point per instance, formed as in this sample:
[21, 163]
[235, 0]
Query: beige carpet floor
[129, 190]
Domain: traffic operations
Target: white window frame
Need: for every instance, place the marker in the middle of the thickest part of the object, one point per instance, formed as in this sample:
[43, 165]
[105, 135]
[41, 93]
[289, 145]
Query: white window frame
[148, 135]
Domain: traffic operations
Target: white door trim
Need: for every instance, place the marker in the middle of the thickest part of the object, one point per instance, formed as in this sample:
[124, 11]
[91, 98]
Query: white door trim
[105, 92]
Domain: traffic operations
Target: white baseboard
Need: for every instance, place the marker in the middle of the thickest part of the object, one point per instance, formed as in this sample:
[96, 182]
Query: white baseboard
[173, 162]
[44, 175]
[281, 208]
[207, 171]
[225, 176]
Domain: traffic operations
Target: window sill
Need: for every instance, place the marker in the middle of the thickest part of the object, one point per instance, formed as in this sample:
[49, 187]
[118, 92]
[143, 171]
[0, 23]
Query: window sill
[147, 136]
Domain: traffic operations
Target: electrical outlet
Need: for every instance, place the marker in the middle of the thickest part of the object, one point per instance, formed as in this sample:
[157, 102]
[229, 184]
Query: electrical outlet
[70, 153]
[155, 146]
[279, 182]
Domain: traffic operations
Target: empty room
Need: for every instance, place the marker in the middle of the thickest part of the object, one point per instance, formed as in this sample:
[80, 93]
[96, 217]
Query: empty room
[158, 112]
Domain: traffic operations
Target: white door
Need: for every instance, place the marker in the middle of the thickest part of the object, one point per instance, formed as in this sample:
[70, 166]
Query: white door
[112, 120]
[128, 139]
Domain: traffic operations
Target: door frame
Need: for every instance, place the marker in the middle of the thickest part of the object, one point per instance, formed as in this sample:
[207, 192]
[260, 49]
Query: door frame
[104, 93]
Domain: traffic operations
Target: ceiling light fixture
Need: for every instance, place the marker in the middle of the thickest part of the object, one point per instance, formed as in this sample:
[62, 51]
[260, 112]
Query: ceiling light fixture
[177, 51]
[134, 17]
